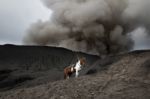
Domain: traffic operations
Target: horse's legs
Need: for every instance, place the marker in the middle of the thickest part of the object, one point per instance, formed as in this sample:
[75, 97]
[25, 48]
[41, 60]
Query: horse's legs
[77, 74]
[66, 76]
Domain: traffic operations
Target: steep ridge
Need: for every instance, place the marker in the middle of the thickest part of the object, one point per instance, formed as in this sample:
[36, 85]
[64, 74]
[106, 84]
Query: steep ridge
[27, 66]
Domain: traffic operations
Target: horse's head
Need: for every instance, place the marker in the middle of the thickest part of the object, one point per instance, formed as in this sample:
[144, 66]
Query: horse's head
[83, 61]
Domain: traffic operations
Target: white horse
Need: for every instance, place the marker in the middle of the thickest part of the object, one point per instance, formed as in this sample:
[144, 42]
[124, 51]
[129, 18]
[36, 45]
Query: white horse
[68, 71]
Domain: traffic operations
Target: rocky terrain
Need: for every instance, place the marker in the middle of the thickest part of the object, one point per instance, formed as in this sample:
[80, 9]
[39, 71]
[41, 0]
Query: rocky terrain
[124, 76]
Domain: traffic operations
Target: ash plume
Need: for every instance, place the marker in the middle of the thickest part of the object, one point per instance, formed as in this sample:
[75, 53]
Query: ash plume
[93, 26]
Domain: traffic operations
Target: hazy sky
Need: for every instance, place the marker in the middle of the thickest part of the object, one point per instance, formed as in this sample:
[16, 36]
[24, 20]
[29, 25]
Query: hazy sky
[16, 16]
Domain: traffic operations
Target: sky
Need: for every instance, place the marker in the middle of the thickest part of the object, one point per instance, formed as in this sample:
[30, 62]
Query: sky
[16, 16]
[141, 39]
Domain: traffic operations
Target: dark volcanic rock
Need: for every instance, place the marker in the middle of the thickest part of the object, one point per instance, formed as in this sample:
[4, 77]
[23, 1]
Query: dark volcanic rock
[37, 58]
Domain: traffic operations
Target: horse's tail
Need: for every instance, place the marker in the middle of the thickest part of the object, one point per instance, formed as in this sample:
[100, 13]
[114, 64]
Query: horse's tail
[65, 75]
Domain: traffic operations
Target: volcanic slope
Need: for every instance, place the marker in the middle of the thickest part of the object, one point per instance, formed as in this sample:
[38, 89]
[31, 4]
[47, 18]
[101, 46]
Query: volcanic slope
[125, 76]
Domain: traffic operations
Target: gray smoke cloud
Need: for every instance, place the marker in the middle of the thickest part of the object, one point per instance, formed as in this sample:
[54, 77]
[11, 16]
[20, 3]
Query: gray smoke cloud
[92, 26]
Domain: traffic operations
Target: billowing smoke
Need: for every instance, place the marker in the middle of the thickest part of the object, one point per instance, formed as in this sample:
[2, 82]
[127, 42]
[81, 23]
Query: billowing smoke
[92, 26]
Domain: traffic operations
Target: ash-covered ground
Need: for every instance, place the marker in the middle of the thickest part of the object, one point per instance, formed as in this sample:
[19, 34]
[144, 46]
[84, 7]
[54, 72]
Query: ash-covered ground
[33, 72]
